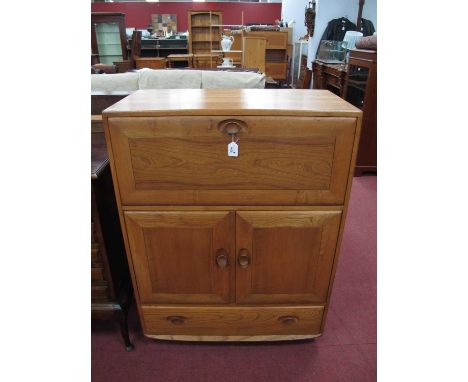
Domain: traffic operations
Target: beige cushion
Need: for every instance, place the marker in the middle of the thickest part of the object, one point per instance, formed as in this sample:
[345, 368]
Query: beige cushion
[232, 80]
[114, 82]
[169, 79]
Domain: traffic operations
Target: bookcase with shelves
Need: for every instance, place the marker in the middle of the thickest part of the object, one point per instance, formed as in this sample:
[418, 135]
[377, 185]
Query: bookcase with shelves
[205, 36]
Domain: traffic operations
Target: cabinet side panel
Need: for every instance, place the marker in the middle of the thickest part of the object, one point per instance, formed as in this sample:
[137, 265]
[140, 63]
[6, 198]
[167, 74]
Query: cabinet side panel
[345, 211]
[115, 181]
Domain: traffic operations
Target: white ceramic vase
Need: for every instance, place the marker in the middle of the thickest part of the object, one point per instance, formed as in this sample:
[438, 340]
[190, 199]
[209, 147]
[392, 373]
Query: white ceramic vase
[226, 43]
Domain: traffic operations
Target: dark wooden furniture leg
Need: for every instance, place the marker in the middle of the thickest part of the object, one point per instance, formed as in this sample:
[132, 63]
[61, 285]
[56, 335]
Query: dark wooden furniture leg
[124, 330]
[122, 316]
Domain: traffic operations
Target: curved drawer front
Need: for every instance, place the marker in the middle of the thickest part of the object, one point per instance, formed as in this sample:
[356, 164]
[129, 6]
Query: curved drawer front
[232, 321]
[184, 160]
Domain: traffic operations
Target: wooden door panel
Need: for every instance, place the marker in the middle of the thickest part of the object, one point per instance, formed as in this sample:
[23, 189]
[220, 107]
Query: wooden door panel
[276, 70]
[174, 255]
[184, 161]
[291, 255]
[275, 40]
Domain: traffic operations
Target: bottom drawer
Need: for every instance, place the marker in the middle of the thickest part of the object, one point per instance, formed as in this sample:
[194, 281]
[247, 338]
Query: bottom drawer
[232, 321]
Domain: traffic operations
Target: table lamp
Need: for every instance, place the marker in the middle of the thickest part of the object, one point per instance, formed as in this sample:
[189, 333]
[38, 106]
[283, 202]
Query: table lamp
[350, 38]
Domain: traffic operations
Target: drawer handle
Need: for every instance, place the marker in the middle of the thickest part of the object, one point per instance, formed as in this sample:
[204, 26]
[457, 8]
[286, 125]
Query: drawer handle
[232, 126]
[222, 259]
[176, 320]
[244, 258]
[288, 320]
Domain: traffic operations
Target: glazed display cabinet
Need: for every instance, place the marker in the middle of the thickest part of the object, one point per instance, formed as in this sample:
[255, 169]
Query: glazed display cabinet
[108, 38]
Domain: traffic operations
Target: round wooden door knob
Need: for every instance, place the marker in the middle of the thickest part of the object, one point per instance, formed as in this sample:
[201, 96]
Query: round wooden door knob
[244, 258]
[222, 259]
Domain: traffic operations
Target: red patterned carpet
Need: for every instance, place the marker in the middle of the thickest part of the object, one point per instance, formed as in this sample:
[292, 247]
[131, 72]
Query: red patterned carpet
[346, 352]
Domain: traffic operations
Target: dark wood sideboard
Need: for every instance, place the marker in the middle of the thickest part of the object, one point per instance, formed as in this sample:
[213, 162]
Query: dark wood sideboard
[111, 288]
[356, 82]
[329, 76]
[361, 90]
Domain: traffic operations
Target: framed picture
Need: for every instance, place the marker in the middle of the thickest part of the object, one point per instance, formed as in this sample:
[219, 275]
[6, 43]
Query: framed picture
[163, 24]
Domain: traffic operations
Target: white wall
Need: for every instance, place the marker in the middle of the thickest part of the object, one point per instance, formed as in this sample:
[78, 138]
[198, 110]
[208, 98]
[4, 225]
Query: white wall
[295, 10]
[369, 11]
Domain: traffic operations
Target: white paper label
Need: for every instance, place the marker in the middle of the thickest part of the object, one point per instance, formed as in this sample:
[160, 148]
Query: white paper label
[233, 149]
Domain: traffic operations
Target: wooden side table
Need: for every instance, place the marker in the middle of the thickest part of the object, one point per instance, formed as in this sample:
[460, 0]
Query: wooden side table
[150, 62]
[180, 58]
[329, 76]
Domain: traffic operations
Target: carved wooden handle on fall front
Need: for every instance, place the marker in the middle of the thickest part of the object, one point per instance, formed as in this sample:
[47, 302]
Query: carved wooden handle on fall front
[232, 126]
[176, 320]
[222, 259]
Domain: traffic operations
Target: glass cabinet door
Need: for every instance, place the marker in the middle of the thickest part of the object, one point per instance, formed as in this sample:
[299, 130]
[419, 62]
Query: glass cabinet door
[356, 89]
[108, 42]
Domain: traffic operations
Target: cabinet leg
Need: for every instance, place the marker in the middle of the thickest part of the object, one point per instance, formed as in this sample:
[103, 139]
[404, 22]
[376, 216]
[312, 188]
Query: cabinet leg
[124, 329]
[365, 170]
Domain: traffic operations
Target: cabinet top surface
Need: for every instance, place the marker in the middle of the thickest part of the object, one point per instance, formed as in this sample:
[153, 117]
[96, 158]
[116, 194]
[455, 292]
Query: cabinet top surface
[294, 102]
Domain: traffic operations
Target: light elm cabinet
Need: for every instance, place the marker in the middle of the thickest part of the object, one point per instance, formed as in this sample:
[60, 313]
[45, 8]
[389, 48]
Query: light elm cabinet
[232, 248]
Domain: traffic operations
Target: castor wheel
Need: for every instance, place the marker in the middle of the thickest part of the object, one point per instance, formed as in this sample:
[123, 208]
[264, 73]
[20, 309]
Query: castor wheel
[129, 347]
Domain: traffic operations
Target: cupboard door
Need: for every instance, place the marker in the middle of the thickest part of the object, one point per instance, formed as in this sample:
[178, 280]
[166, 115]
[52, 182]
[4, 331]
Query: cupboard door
[285, 256]
[182, 257]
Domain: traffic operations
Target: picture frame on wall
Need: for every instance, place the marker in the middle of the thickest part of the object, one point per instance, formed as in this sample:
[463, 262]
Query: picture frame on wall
[164, 23]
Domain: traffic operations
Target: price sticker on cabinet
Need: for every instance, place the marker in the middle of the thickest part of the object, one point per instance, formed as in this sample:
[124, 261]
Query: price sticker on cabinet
[233, 149]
